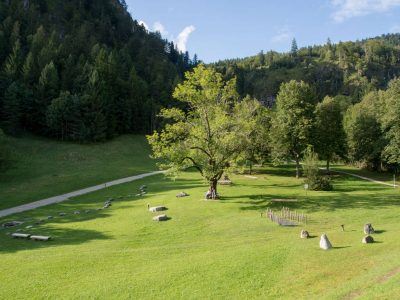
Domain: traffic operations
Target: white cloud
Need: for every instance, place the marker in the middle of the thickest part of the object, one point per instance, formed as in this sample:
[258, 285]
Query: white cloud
[395, 29]
[346, 9]
[143, 23]
[160, 28]
[181, 40]
[283, 35]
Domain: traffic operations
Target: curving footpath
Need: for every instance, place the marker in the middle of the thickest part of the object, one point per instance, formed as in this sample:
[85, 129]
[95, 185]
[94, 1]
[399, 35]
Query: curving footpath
[365, 178]
[64, 197]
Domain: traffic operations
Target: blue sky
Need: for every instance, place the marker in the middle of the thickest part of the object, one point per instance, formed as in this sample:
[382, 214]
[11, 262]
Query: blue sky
[219, 29]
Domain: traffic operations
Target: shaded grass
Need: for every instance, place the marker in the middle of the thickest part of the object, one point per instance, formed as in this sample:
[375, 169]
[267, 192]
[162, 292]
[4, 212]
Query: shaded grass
[42, 168]
[209, 249]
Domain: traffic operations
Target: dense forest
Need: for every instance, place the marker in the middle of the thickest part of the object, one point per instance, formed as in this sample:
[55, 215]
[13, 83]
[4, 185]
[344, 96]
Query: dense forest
[82, 70]
[347, 68]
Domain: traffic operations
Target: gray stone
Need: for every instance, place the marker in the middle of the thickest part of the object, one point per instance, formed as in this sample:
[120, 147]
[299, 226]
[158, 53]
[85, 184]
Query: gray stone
[156, 208]
[304, 234]
[20, 235]
[40, 238]
[324, 243]
[62, 214]
[368, 229]
[182, 194]
[77, 212]
[160, 218]
[49, 217]
[12, 224]
[367, 239]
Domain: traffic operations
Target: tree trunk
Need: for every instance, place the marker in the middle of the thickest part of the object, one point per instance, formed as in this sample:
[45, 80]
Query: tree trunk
[297, 167]
[327, 167]
[213, 189]
[250, 167]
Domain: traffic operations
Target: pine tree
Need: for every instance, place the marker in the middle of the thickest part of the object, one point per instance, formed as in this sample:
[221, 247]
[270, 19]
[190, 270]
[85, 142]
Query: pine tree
[294, 48]
[11, 111]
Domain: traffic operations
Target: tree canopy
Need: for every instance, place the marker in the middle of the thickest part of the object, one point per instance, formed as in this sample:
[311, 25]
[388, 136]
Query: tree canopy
[117, 75]
[293, 121]
[209, 136]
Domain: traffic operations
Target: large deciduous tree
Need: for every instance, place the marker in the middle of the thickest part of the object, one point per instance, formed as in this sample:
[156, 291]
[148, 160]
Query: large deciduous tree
[330, 137]
[256, 122]
[293, 121]
[208, 136]
[365, 139]
[390, 119]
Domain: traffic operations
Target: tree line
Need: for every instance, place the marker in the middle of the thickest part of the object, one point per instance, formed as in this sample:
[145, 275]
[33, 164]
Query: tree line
[83, 70]
[222, 131]
[346, 68]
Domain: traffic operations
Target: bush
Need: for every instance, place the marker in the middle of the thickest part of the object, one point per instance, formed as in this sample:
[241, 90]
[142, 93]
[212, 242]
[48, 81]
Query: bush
[312, 174]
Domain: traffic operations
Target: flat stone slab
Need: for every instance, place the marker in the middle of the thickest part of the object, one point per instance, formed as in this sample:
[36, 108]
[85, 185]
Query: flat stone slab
[157, 208]
[20, 235]
[40, 238]
[284, 200]
[225, 182]
[182, 194]
[160, 218]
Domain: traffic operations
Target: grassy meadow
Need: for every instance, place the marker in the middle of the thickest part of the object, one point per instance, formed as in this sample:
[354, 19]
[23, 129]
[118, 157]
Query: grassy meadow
[209, 249]
[43, 168]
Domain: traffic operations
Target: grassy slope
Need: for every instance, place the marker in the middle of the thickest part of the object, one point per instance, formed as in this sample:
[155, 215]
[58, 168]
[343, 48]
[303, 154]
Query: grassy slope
[42, 168]
[221, 249]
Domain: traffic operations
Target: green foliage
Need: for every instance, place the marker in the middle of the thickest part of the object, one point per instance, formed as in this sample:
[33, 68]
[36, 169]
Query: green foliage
[390, 120]
[93, 50]
[210, 136]
[329, 138]
[4, 151]
[312, 174]
[363, 129]
[293, 121]
[255, 120]
[345, 68]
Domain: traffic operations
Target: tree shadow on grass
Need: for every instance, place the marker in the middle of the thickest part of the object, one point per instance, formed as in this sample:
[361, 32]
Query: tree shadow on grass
[59, 237]
[340, 247]
[327, 202]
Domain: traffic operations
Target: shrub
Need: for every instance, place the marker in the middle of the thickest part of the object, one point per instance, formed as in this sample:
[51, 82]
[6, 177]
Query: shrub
[312, 174]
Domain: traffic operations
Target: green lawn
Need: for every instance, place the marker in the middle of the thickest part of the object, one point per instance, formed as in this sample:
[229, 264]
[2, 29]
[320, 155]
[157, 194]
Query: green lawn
[210, 249]
[381, 176]
[43, 168]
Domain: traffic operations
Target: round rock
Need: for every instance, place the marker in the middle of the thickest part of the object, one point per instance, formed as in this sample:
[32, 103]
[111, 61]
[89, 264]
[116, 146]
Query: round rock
[368, 239]
[368, 229]
[304, 234]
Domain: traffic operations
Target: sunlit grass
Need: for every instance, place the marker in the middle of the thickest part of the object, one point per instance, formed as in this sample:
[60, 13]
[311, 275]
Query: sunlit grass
[210, 249]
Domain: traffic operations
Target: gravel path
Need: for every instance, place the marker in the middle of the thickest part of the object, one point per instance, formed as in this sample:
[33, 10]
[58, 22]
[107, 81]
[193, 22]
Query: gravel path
[365, 178]
[64, 197]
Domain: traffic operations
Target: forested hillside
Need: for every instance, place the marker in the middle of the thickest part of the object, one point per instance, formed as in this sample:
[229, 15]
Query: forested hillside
[82, 70]
[347, 68]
